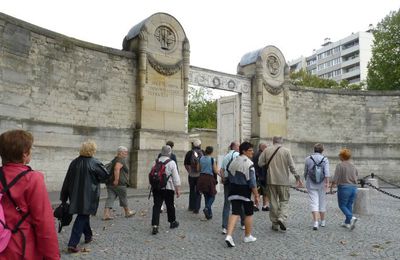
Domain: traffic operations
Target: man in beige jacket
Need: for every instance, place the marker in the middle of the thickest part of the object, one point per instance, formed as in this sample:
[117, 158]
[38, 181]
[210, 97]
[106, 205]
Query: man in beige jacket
[278, 183]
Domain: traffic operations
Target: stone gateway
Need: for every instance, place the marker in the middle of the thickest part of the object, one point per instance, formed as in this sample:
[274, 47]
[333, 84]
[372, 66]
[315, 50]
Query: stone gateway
[65, 91]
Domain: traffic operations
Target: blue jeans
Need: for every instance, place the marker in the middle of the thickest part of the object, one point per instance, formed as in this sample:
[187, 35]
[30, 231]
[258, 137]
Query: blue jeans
[346, 196]
[81, 225]
[208, 201]
[194, 195]
[227, 208]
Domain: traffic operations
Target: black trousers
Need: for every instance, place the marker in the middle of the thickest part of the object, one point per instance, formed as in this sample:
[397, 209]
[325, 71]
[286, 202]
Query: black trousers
[159, 197]
[194, 195]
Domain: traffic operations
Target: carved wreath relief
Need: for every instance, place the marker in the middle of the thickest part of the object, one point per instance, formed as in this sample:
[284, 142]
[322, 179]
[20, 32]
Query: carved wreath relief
[166, 37]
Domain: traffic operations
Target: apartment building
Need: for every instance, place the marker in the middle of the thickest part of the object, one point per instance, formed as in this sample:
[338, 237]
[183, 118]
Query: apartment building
[345, 59]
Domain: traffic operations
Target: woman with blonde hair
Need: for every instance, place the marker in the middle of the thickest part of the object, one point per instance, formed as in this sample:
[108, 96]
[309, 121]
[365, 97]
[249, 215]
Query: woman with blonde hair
[346, 180]
[82, 188]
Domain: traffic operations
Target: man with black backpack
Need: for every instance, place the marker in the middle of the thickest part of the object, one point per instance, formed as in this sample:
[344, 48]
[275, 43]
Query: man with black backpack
[228, 158]
[316, 173]
[191, 162]
[164, 187]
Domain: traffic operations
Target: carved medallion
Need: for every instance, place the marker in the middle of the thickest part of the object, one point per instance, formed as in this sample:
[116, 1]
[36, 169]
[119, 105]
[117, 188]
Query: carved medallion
[231, 84]
[273, 65]
[166, 37]
[216, 82]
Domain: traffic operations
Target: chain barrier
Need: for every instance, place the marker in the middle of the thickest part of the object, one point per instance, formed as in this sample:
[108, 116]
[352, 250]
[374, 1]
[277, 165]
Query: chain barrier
[363, 182]
[384, 192]
[385, 181]
[305, 191]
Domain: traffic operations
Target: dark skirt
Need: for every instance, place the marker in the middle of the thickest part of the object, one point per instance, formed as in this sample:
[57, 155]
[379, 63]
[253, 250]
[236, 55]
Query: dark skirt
[206, 184]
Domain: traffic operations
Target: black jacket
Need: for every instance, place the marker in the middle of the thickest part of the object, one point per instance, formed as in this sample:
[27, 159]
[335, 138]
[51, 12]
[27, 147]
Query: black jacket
[82, 185]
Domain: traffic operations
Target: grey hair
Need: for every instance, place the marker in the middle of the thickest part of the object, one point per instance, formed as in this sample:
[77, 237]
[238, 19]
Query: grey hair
[277, 140]
[122, 149]
[262, 145]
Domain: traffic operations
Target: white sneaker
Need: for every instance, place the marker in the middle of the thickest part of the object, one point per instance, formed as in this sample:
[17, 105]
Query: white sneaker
[243, 227]
[315, 226]
[353, 223]
[345, 225]
[224, 231]
[229, 241]
[249, 239]
[323, 223]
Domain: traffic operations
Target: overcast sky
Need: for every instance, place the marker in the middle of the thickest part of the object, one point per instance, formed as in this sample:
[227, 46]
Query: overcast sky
[220, 31]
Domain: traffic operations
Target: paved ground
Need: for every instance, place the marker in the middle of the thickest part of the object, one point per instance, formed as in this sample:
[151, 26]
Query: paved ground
[375, 237]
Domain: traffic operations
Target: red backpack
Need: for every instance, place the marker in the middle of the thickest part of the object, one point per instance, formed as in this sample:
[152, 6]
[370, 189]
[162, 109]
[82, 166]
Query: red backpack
[158, 178]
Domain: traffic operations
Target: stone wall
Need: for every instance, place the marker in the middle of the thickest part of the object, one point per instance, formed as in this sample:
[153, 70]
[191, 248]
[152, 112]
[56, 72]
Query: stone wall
[207, 136]
[64, 91]
[368, 123]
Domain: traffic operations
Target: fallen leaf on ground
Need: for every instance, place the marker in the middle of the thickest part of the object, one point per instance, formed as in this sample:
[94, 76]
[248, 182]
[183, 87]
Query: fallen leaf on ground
[378, 246]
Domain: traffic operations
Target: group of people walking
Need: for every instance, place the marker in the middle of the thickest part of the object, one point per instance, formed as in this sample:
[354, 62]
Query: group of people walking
[245, 177]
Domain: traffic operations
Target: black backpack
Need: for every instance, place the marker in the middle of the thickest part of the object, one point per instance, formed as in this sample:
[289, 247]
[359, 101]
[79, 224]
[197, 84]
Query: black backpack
[195, 160]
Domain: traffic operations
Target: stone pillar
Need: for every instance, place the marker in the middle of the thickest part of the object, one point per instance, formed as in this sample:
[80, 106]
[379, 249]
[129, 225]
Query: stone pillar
[266, 67]
[362, 203]
[163, 54]
[373, 182]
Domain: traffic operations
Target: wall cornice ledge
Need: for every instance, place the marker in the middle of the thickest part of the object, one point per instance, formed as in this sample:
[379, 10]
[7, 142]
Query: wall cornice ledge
[345, 91]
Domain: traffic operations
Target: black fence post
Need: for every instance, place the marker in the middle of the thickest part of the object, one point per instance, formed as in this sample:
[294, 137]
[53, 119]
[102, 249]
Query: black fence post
[362, 182]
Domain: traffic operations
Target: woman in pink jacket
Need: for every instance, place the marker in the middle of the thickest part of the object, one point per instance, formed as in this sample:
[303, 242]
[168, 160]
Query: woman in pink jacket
[37, 237]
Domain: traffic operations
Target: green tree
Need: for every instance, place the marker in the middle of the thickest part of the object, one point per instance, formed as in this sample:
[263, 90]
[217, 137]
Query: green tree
[202, 109]
[304, 78]
[384, 66]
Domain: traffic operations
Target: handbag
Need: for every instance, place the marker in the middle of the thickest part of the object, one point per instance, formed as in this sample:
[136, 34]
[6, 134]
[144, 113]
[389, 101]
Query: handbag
[62, 214]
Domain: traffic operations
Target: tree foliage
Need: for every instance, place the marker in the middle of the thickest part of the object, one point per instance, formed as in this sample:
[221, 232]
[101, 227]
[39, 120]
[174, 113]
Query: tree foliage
[304, 78]
[384, 66]
[202, 109]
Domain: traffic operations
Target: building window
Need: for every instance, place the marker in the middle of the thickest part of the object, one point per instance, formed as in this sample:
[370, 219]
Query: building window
[350, 44]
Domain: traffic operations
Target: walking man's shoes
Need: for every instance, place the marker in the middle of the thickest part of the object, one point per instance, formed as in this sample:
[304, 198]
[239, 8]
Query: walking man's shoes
[281, 225]
[266, 208]
[155, 230]
[174, 224]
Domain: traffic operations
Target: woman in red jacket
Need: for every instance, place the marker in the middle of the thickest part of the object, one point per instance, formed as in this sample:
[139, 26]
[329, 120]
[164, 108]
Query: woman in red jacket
[38, 238]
